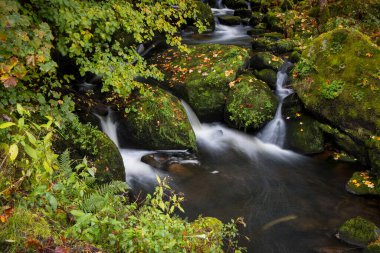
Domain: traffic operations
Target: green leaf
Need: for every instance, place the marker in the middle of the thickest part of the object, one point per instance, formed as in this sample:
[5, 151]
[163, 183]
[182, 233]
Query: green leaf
[31, 138]
[47, 167]
[31, 152]
[77, 213]
[52, 200]
[13, 152]
[6, 125]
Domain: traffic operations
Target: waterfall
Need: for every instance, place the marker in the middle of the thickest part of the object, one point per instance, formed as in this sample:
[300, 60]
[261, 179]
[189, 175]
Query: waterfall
[135, 169]
[274, 132]
[109, 126]
[219, 4]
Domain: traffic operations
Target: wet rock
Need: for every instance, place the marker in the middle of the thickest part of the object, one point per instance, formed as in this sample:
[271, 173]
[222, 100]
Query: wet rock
[359, 232]
[294, 57]
[204, 14]
[179, 170]
[243, 13]
[229, 20]
[262, 26]
[264, 60]
[250, 103]
[267, 75]
[292, 106]
[271, 44]
[257, 18]
[334, 80]
[159, 121]
[330, 250]
[373, 247]
[235, 4]
[304, 135]
[245, 21]
[202, 76]
[255, 32]
[362, 183]
[274, 22]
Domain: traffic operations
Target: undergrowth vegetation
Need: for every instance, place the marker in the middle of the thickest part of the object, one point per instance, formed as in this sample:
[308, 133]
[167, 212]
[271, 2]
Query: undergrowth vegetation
[49, 201]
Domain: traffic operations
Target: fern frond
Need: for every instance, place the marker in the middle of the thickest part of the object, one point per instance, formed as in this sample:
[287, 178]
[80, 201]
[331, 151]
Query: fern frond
[65, 161]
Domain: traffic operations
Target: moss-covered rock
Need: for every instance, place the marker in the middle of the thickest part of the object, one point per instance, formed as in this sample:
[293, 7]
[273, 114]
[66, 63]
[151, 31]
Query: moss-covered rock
[157, 121]
[229, 20]
[338, 79]
[345, 142]
[267, 75]
[257, 18]
[250, 103]
[243, 13]
[264, 60]
[272, 44]
[86, 140]
[304, 135]
[204, 15]
[359, 232]
[235, 4]
[362, 183]
[373, 247]
[201, 76]
[274, 22]
[256, 31]
[210, 226]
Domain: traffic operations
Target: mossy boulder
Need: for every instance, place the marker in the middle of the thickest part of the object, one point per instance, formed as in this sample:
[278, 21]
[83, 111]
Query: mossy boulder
[363, 183]
[210, 226]
[257, 18]
[304, 135]
[359, 232]
[272, 44]
[235, 4]
[158, 121]
[250, 104]
[373, 247]
[201, 76]
[256, 31]
[345, 142]
[229, 20]
[85, 140]
[338, 79]
[267, 75]
[274, 22]
[243, 13]
[204, 15]
[265, 60]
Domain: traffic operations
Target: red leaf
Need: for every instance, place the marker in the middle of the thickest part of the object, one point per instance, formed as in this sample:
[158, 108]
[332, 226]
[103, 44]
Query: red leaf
[60, 249]
[10, 82]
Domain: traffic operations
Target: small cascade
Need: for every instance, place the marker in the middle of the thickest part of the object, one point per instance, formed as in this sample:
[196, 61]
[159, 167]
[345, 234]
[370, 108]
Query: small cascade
[109, 126]
[275, 131]
[194, 121]
[249, 7]
[219, 4]
[135, 170]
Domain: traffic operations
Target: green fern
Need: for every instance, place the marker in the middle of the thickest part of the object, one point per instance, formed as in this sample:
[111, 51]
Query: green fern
[102, 196]
[65, 162]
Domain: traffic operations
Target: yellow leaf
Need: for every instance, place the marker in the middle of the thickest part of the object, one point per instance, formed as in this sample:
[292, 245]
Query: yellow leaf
[13, 152]
[227, 73]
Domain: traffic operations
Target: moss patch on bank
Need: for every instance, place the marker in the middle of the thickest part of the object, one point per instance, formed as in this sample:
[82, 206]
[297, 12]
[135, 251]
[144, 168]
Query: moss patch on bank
[202, 74]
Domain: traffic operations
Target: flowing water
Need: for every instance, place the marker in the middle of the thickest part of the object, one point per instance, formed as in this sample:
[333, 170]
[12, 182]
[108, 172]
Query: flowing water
[275, 131]
[290, 203]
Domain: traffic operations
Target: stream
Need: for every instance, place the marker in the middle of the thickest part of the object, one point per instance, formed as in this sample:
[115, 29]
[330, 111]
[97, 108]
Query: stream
[291, 203]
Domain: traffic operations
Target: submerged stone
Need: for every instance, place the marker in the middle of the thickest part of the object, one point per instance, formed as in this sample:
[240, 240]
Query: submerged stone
[337, 79]
[243, 13]
[250, 103]
[359, 232]
[201, 76]
[362, 183]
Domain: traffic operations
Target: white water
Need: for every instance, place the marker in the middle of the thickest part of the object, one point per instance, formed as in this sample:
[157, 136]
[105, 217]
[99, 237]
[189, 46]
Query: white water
[109, 126]
[216, 139]
[275, 131]
[219, 4]
[135, 170]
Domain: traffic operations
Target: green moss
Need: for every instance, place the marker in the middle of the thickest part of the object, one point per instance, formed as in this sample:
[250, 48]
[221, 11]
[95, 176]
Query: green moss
[201, 76]
[159, 121]
[270, 44]
[243, 13]
[373, 247]
[235, 4]
[358, 231]
[250, 103]
[342, 56]
[204, 14]
[20, 226]
[362, 183]
[229, 20]
[264, 60]
[210, 226]
[267, 75]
